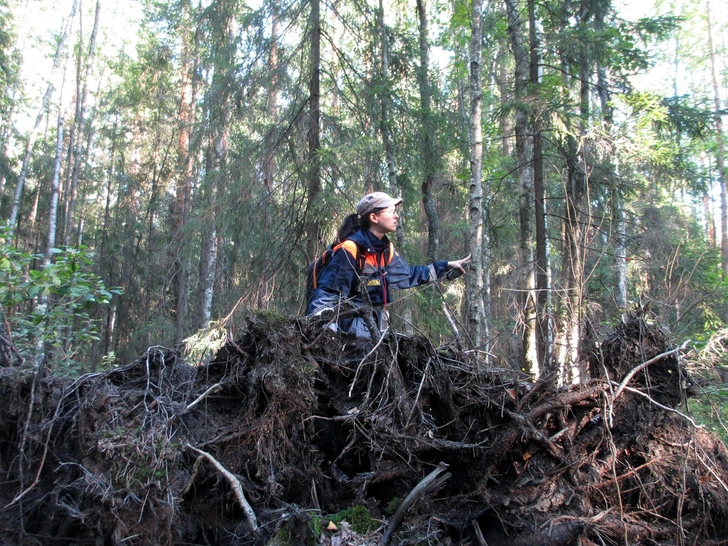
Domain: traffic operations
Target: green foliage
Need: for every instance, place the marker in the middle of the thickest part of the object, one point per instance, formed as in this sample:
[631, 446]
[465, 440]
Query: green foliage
[358, 516]
[49, 309]
[392, 506]
[711, 409]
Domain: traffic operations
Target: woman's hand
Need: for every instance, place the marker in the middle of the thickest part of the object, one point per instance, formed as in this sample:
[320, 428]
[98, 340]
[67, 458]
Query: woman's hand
[459, 264]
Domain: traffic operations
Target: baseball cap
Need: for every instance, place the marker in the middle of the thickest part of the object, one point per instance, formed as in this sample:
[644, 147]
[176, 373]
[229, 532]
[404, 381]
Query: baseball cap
[373, 201]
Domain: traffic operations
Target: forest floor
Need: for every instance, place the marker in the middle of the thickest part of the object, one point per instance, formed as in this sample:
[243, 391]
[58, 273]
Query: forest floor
[292, 435]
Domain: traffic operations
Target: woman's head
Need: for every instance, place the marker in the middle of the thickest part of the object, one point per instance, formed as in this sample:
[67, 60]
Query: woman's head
[377, 212]
[374, 202]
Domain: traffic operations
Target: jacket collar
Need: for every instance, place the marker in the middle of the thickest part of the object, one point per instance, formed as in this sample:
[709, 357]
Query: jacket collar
[365, 238]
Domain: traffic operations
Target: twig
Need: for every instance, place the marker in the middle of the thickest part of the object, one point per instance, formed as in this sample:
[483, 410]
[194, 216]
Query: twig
[419, 391]
[195, 470]
[479, 533]
[715, 475]
[666, 408]
[431, 482]
[642, 366]
[356, 375]
[454, 326]
[234, 483]
[208, 392]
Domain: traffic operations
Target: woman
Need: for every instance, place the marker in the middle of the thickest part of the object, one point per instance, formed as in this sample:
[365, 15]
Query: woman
[363, 255]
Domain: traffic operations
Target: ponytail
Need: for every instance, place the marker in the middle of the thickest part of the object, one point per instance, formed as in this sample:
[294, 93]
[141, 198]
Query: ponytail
[350, 225]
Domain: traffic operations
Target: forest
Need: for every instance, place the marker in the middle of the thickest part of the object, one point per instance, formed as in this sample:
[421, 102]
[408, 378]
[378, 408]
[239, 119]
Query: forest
[169, 168]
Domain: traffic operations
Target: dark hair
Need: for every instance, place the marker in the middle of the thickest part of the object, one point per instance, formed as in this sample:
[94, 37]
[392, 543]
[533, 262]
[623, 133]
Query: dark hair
[353, 223]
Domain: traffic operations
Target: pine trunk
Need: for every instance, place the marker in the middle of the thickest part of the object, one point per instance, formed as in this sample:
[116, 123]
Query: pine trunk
[524, 149]
[428, 137]
[314, 158]
[81, 100]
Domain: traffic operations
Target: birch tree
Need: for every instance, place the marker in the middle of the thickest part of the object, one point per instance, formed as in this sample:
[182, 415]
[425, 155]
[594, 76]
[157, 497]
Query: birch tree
[30, 143]
[478, 325]
[82, 83]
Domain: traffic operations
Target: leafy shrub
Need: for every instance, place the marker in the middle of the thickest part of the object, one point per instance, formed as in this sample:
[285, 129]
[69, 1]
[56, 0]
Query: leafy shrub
[48, 308]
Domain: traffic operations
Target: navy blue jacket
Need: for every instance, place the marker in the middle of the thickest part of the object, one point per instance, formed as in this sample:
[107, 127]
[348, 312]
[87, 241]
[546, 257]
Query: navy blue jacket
[342, 280]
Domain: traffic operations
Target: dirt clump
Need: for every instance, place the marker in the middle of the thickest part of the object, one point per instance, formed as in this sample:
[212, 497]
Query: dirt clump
[293, 435]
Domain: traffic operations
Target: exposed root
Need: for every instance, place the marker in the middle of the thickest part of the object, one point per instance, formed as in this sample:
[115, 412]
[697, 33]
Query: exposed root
[301, 426]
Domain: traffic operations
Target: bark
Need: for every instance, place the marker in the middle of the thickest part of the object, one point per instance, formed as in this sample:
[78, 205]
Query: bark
[720, 159]
[543, 335]
[524, 158]
[573, 259]
[183, 190]
[15, 208]
[222, 83]
[385, 124]
[269, 165]
[385, 120]
[55, 185]
[474, 281]
[81, 102]
[314, 142]
[619, 229]
[429, 158]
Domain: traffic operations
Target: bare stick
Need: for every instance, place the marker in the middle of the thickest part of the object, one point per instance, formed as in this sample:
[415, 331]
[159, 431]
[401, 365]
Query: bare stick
[204, 395]
[454, 327]
[431, 482]
[419, 391]
[356, 375]
[642, 366]
[666, 408]
[479, 533]
[234, 483]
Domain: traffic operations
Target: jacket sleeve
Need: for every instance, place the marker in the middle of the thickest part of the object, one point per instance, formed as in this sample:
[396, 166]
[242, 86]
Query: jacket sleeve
[401, 275]
[336, 281]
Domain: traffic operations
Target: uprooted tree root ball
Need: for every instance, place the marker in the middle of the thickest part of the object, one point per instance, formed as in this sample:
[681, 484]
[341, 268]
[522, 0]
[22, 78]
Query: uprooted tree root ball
[293, 435]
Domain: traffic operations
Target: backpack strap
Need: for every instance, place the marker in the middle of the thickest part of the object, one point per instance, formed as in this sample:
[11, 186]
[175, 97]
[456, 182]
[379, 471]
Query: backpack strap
[390, 254]
[352, 248]
[359, 253]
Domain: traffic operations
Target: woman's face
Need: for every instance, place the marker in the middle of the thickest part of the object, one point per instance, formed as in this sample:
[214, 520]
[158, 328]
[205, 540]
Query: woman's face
[384, 221]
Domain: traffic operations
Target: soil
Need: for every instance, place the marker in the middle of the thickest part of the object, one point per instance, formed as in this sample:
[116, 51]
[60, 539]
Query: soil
[293, 435]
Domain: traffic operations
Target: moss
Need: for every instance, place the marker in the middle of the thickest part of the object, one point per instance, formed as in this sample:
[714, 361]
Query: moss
[392, 506]
[314, 527]
[358, 516]
[281, 538]
[361, 520]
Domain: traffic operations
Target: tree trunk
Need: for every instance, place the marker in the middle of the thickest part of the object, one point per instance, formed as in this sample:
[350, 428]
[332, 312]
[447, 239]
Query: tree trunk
[55, 185]
[15, 208]
[81, 99]
[183, 189]
[573, 259]
[385, 121]
[524, 149]
[543, 334]
[721, 147]
[314, 158]
[477, 324]
[429, 138]
[222, 80]
[269, 165]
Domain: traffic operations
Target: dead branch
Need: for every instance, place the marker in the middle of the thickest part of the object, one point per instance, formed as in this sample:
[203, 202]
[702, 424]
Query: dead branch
[208, 392]
[661, 406]
[234, 483]
[431, 482]
[637, 369]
